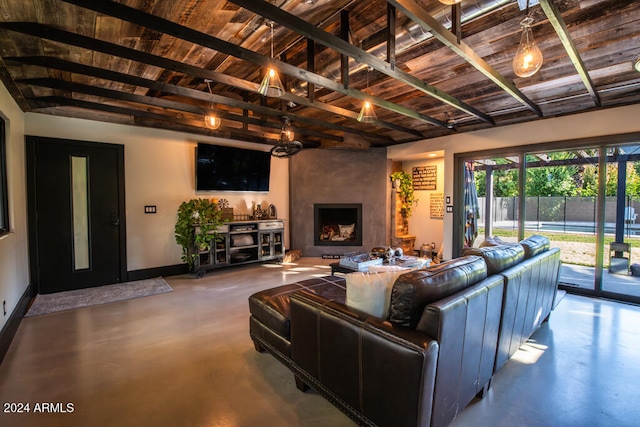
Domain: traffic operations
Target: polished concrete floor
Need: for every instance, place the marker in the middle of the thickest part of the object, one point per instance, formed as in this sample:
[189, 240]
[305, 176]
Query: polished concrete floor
[185, 359]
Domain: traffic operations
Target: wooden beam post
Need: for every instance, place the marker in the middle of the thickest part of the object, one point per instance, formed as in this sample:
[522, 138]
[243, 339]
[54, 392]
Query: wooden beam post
[391, 35]
[344, 59]
[311, 67]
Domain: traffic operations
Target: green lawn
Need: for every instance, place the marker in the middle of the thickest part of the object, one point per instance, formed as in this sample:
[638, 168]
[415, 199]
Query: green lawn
[579, 249]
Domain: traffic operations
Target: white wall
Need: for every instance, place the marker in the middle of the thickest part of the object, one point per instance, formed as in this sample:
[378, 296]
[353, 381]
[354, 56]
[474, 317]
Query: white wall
[579, 126]
[160, 170]
[14, 266]
[421, 225]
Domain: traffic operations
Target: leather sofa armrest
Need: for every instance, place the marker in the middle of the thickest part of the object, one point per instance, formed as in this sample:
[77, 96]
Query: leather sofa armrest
[368, 366]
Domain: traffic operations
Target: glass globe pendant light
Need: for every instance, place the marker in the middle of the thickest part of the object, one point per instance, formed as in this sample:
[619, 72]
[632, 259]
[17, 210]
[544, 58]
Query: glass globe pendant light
[528, 58]
[211, 120]
[367, 113]
[271, 84]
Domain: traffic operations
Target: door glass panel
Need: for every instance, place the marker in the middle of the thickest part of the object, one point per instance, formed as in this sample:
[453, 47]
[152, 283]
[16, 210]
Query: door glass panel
[560, 203]
[80, 212]
[497, 187]
[622, 228]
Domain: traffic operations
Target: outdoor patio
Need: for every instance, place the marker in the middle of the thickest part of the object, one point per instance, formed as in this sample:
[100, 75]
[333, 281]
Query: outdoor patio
[583, 277]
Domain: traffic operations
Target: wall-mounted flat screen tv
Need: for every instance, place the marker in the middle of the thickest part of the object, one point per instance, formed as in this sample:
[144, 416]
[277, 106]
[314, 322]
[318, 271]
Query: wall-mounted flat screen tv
[225, 168]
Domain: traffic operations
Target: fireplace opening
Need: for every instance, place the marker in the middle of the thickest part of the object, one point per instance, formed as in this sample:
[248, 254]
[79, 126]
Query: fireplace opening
[338, 224]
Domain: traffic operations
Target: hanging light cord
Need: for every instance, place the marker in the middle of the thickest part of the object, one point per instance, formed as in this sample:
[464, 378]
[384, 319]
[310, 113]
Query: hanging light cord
[271, 25]
[210, 93]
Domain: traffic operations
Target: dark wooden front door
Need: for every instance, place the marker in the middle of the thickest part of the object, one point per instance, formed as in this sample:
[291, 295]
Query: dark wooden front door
[76, 214]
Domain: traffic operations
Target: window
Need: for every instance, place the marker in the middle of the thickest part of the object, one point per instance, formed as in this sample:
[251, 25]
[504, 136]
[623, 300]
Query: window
[4, 197]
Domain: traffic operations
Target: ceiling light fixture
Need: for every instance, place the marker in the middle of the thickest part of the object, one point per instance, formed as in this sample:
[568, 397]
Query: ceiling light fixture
[450, 2]
[211, 120]
[286, 134]
[637, 65]
[286, 146]
[528, 59]
[271, 84]
[367, 113]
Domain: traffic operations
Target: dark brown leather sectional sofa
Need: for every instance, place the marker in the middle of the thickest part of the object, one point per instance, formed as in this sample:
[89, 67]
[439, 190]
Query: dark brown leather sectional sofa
[450, 328]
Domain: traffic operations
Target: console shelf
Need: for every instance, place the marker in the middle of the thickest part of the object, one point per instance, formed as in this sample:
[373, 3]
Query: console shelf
[243, 242]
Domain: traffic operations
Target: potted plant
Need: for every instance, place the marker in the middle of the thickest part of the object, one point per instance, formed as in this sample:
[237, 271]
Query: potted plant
[403, 184]
[196, 227]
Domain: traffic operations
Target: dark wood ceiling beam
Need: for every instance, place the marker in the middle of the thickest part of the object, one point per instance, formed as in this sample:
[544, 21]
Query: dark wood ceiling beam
[456, 21]
[160, 120]
[158, 102]
[344, 59]
[141, 18]
[348, 113]
[417, 14]
[556, 20]
[391, 36]
[62, 85]
[298, 25]
[51, 33]
[311, 66]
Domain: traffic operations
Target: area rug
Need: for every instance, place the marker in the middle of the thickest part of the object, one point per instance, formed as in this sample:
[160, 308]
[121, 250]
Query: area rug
[69, 300]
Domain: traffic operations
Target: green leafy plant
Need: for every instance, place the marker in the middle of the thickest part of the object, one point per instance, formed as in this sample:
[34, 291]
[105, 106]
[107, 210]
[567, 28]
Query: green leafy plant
[196, 227]
[405, 192]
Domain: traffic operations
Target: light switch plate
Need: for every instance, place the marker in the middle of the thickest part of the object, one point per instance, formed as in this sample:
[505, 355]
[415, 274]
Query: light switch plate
[150, 209]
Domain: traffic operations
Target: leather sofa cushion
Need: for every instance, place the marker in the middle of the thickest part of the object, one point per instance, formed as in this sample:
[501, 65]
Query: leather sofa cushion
[413, 291]
[498, 258]
[272, 306]
[535, 245]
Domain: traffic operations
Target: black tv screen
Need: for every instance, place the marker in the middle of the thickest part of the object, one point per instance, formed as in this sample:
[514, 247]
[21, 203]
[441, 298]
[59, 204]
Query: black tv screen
[231, 169]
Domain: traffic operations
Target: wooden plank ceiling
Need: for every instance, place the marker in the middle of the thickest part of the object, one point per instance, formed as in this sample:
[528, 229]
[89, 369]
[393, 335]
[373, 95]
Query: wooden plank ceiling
[145, 63]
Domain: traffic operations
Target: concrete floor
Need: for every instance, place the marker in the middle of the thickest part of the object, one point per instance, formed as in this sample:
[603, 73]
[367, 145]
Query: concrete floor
[185, 359]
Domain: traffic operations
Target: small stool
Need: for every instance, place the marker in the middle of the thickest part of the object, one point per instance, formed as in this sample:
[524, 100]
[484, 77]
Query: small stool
[618, 262]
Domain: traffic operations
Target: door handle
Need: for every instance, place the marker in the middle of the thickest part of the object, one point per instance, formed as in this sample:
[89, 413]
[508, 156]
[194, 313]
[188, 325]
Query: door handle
[115, 220]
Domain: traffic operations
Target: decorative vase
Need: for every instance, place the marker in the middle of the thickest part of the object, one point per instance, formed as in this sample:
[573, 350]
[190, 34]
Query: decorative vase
[257, 212]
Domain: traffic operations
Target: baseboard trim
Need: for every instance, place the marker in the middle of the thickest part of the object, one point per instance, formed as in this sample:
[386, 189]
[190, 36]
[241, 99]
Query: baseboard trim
[150, 273]
[11, 327]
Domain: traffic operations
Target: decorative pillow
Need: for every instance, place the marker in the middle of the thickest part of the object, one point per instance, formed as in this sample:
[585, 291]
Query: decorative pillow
[371, 292]
[346, 230]
[242, 240]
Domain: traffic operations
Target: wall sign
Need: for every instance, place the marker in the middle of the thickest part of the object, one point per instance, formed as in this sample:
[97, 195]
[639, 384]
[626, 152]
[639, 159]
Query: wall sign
[424, 177]
[436, 205]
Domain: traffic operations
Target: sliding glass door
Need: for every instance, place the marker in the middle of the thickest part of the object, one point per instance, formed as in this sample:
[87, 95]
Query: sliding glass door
[497, 188]
[585, 198]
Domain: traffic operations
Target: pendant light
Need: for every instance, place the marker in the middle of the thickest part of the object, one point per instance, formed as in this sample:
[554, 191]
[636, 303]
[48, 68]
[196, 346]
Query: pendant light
[211, 120]
[528, 59]
[450, 2]
[286, 134]
[637, 65]
[271, 84]
[367, 113]
[286, 146]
